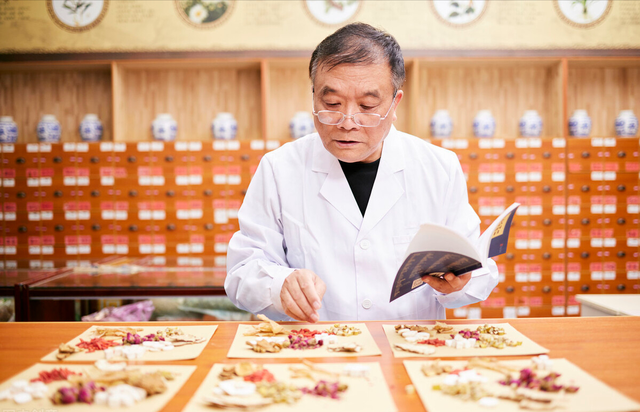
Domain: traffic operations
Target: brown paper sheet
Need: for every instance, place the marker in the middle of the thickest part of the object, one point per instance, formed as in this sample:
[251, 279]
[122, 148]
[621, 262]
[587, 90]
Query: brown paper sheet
[364, 394]
[240, 349]
[528, 346]
[185, 352]
[151, 404]
[593, 395]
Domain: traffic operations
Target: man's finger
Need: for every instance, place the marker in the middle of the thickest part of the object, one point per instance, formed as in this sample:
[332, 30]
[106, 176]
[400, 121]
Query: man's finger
[300, 298]
[308, 287]
[291, 307]
[458, 282]
[321, 287]
[438, 284]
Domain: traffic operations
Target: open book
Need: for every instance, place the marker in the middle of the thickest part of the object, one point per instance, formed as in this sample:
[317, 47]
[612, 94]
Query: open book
[436, 250]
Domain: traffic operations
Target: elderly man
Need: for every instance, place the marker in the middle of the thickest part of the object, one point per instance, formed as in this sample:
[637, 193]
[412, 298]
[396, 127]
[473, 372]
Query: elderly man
[327, 219]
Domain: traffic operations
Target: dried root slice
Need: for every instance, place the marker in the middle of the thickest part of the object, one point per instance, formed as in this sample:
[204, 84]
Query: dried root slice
[182, 340]
[311, 368]
[419, 349]
[266, 328]
[417, 328]
[491, 364]
[434, 368]
[441, 327]
[350, 347]
[241, 402]
[119, 332]
[263, 346]
[240, 369]
[491, 330]
[64, 351]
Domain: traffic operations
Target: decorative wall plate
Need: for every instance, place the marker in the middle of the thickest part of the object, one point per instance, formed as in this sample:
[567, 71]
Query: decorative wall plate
[459, 13]
[332, 12]
[582, 13]
[204, 13]
[77, 15]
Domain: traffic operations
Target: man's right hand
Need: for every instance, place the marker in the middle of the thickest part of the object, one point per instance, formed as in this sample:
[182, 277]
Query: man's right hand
[301, 295]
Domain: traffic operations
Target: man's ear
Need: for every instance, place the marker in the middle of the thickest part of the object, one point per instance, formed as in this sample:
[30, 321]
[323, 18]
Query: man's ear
[396, 102]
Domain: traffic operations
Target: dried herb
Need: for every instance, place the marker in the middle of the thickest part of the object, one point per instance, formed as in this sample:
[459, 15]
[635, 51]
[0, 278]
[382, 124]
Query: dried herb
[298, 342]
[64, 351]
[262, 346]
[343, 330]
[434, 342]
[83, 393]
[135, 339]
[349, 347]
[96, 344]
[491, 330]
[435, 368]
[326, 389]
[60, 374]
[279, 392]
[119, 332]
[266, 328]
[260, 375]
[306, 333]
[420, 349]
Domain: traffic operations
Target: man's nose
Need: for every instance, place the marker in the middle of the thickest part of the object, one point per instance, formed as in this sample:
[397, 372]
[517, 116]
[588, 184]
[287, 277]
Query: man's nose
[348, 123]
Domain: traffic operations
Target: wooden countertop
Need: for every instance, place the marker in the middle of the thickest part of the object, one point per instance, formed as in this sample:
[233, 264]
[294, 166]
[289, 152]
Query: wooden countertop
[606, 347]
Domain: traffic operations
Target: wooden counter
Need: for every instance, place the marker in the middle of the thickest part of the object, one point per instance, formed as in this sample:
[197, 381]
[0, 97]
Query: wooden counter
[607, 347]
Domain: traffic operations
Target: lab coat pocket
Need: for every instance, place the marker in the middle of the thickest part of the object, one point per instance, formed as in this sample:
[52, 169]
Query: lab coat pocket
[400, 245]
[293, 238]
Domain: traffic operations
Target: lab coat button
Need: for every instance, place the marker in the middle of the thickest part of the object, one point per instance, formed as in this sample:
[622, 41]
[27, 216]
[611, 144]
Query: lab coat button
[366, 303]
[365, 244]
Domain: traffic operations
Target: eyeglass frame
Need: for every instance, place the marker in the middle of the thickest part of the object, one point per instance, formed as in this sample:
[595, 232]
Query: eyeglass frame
[351, 116]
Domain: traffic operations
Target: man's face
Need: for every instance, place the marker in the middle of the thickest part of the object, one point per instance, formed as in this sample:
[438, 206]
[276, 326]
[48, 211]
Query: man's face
[350, 88]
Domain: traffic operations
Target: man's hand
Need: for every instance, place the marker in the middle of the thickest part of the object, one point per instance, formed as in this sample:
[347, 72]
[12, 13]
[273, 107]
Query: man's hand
[448, 283]
[301, 295]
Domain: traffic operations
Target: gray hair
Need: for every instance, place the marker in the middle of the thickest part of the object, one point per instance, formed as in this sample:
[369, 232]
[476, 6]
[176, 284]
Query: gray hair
[359, 43]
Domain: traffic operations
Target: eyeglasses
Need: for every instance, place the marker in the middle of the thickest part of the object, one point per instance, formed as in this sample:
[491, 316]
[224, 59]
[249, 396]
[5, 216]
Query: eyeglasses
[333, 118]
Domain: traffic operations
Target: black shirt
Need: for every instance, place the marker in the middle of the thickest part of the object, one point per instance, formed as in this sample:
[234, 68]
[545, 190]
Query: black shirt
[361, 177]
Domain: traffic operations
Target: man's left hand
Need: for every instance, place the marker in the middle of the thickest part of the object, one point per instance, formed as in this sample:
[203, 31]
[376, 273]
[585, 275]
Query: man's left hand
[449, 283]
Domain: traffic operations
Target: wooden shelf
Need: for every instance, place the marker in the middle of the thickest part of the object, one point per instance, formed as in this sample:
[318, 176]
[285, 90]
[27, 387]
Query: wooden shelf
[507, 88]
[27, 92]
[288, 90]
[603, 88]
[192, 92]
[264, 94]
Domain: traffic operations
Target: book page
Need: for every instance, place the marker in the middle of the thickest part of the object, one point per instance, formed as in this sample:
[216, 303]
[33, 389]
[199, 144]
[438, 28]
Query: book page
[432, 237]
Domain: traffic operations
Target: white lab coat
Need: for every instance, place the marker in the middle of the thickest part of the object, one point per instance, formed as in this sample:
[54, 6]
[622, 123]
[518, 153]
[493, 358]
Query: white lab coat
[299, 212]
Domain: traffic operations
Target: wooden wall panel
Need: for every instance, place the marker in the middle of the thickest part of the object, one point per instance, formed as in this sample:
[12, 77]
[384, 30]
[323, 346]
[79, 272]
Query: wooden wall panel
[193, 96]
[68, 95]
[603, 92]
[506, 91]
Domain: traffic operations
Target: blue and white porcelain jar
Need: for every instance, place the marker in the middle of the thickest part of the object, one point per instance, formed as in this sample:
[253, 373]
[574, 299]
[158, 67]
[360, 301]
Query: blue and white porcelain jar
[531, 124]
[91, 128]
[164, 128]
[224, 126]
[8, 130]
[441, 124]
[49, 129]
[301, 124]
[626, 124]
[579, 124]
[484, 125]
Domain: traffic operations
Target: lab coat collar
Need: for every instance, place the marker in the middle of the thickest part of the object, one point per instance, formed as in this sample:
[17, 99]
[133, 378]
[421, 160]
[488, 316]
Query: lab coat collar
[387, 188]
